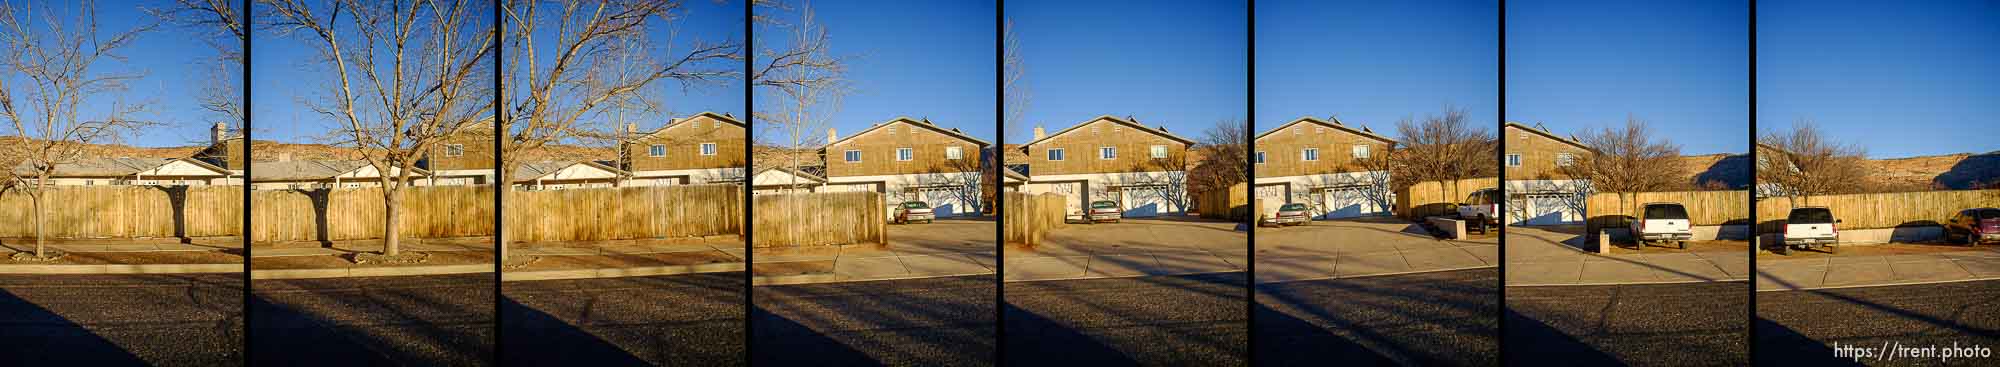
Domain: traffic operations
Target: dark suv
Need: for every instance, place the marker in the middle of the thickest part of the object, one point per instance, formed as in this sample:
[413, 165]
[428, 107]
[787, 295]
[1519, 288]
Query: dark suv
[1973, 226]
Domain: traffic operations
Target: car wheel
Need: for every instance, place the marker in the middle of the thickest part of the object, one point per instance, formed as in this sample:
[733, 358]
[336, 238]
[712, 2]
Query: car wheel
[1831, 249]
[1784, 250]
[1683, 244]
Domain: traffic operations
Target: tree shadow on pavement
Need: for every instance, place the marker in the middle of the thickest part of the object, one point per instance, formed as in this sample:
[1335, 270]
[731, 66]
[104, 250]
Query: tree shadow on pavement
[798, 345]
[1032, 339]
[295, 338]
[926, 321]
[38, 336]
[1196, 319]
[535, 338]
[1780, 345]
[1291, 341]
[1439, 318]
[674, 320]
[419, 320]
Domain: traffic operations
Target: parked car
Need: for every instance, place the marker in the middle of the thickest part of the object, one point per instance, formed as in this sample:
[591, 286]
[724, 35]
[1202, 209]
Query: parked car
[1105, 211]
[911, 211]
[1810, 227]
[1480, 208]
[1662, 222]
[1973, 226]
[1290, 214]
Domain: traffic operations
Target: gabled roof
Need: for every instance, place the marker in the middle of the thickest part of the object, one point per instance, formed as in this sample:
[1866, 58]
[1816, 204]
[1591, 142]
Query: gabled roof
[308, 170]
[115, 167]
[1336, 124]
[530, 171]
[1158, 131]
[1014, 176]
[683, 121]
[1543, 132]
[815, 179]
[925, 123]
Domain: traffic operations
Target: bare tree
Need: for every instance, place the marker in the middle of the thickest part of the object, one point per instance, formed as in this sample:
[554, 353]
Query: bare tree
[49, 95]
[1803, 163]
[1014, 70]
[1444, 148]
[221, 25]
[407, 76]
[1225, 159]
[1626, 161]
[599, 61]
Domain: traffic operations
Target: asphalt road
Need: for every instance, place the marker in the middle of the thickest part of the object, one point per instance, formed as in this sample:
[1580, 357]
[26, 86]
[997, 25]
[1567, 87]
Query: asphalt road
[1427, 319]
[96, 320]
[437, 320]
[673, 320]
[1685, 324]
[1801, 327]
[915, 322]
[1191, 320]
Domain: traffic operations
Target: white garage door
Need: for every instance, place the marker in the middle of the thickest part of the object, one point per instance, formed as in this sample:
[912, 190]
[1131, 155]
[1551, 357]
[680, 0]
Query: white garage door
[945, 201]
[1347, 203]
[1548, 209]
[1144, 201]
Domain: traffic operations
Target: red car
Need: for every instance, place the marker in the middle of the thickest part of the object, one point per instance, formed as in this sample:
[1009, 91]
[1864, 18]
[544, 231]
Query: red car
[1973, 226]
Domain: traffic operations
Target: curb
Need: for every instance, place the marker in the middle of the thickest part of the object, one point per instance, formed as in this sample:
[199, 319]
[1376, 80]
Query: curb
[122, 269]
[515, 276]
[1381, 274]
[387, 271]
[1882, 285]
[1125, 276]
[1628, 283]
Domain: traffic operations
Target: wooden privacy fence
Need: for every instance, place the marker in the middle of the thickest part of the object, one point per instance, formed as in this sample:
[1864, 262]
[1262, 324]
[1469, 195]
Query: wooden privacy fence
[625, 213]
[126, 212]
[1423, 199]
[352, 214]
[1030, 217]
[1880, 210]
[1704, 208]
[819, 219]
[1223, 204]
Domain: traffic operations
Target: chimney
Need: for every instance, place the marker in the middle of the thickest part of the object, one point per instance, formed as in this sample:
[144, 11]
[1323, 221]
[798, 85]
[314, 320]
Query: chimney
[215, 134]
[832, 136]
[1039, 133]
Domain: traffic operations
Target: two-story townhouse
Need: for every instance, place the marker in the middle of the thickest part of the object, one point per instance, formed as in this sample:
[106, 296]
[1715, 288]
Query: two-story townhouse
[1143, 169]
[1538, 192]
[463, 159]
[909, 160]
[130, 171]
[1326, 165]
[703, 148]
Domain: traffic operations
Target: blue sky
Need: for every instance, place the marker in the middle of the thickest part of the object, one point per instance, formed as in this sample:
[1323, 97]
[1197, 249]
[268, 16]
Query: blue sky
[1175, 63]
[1898, 78]
[1683, 66]
[172, 59]
[921, 59]
[1374, 63]
[288, 71]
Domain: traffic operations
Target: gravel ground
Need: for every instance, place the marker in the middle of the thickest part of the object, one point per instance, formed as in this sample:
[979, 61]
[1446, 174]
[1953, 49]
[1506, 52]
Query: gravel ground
[1439, 318]
[1688, 324]
[92, 320]
[915, 322]
[414, 320]
[1800, 327]
[1192, 320]
[673, 320]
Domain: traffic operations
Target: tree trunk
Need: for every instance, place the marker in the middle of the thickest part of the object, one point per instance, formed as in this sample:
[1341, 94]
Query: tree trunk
[500, 234]
[40, 249]
[392, 231]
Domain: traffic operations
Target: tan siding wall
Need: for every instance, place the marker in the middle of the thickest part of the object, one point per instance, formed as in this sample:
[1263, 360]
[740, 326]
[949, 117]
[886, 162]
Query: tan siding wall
[478, 152]
[1283, 150]
[878, 152]
[1081, 150]
[684, 146]
[1538, 155]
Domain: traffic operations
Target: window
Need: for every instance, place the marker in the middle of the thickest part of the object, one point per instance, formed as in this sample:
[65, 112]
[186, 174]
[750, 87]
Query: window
[1310, 154]
[1260, 157]
[853, 156]
[954, 153]
[657, 150]
[707, 148]
[1564, 159]
[904, 154]
[1513, 160]
[1159, 152]
[1360, 152]
[454, 150]
[1056, 154]
[1107, 153]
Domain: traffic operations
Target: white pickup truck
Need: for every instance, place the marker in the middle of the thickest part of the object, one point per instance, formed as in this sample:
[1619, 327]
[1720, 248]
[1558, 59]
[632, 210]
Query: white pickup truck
[1810, 227]
[1482, 208]
[1662, 222]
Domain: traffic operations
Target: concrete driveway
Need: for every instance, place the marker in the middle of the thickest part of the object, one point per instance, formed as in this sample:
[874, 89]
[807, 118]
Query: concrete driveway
[1331, 249]
[1132, 247]
[1555, 256]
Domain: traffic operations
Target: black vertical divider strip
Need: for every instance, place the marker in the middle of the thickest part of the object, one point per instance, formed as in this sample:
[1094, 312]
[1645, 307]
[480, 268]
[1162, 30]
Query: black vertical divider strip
[999, 160]
[1500, 178]
[1750, 334]
[249, 29]
[1250, 184]
[500, 182]
[749, 51]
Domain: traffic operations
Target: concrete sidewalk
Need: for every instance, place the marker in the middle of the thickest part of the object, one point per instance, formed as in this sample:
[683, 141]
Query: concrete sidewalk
[1346, 248]
[1542, 256]
[948, 247]
[1878, 265]
[1130, 248]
